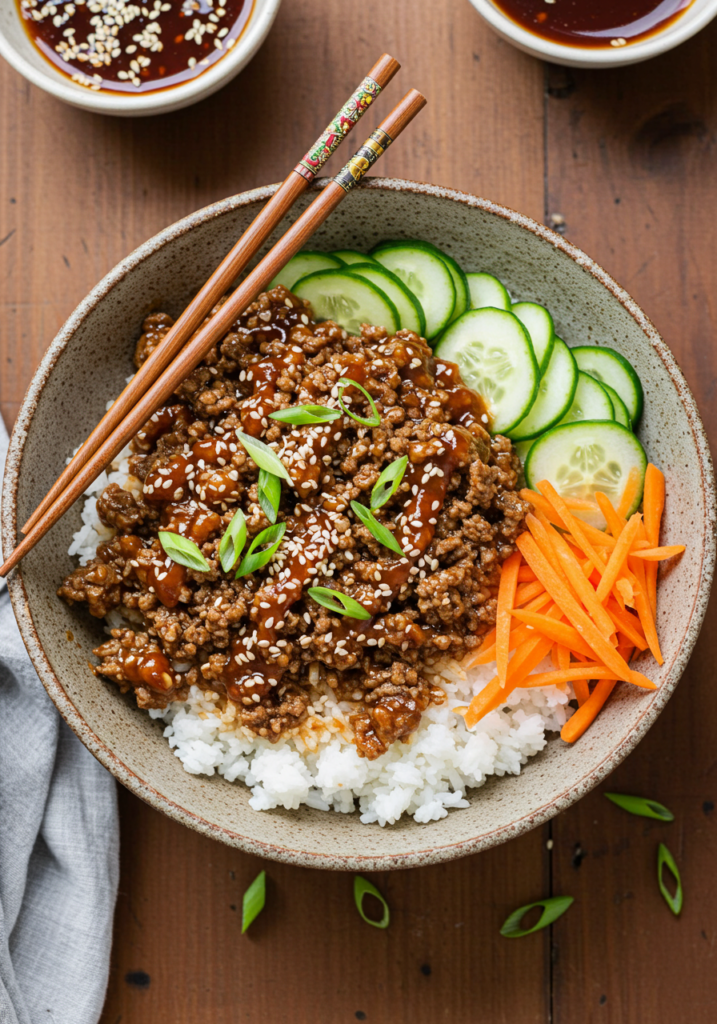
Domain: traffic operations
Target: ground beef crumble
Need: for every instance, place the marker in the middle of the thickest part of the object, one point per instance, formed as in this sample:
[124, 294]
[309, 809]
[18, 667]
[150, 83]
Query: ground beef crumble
[260, 639]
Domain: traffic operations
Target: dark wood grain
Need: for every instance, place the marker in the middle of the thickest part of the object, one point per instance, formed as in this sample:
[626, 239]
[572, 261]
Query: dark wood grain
[78, 192]
[631, 170]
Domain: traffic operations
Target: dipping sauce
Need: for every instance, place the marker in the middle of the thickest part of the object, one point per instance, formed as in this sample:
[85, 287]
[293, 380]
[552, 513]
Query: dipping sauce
[134, 47]
[593, 23]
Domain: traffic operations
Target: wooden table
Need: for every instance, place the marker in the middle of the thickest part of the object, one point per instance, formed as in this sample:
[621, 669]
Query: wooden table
[626, 161]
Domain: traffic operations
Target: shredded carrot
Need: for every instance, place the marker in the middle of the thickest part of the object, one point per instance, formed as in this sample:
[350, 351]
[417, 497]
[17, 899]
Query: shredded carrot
[583, 588]
[618, 557]
[574, 525]
[586, 715]
[573, 612]
[653, 502]
[615, 523]
[626, 623]
[630, 493]
[659, 554]
[506, 599]
[486, 655]
[644, 610]
[541, 504]
[578, 504]
[626, 591]
[588, 670]
[490, 697]
[558, 632]
[527, 657]
[527, 592]
[525, 574]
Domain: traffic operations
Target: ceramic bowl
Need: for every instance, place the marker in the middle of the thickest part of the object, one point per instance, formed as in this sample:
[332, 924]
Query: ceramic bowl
[87, 364]
[18, 50]
[691, 21]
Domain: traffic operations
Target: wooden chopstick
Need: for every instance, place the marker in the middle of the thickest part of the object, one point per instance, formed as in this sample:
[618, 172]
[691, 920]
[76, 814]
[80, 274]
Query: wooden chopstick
[195, 350]
[228, 270]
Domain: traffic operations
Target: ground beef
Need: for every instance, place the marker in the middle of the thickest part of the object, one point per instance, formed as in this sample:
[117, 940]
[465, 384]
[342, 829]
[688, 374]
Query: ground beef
[261, 640]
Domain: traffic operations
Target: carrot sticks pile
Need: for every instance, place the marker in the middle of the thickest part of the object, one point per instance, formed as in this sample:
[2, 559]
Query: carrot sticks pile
[583, 596]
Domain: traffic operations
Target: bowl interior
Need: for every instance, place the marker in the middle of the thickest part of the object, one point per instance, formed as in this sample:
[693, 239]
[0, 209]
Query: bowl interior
[87, 365]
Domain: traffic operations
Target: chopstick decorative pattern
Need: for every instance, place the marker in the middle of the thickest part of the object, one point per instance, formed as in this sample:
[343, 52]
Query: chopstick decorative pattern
[226, 273]
[215, 328]
[332, 136]
[375, 146]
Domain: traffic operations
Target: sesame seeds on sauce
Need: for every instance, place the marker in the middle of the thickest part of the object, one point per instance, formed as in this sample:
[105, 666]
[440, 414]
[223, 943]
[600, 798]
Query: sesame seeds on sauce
[133, 47]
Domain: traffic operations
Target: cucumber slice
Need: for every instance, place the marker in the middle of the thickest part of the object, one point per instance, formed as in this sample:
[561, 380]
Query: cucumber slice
[348, 299]
[539, 324]
[426, 275]
[409, 309]
[522, 448]
[486, 290]
[351, 256]
[495, 357]
[555, 394]
[460, 283]
[620, 413]
[302, 264]
[590, 402]
[609, 367]
[587, 456]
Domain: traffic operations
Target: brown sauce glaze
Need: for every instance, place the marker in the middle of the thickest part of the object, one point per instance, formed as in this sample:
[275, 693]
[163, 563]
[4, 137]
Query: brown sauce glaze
[594, 23]
[128, 47]
[261, 641]
[148, 667]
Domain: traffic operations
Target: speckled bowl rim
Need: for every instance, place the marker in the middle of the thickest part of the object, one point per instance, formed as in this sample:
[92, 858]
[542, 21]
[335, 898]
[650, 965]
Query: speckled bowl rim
[439, 853]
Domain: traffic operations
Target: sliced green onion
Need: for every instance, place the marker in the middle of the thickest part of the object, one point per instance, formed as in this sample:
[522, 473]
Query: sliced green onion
[253, 901]
[382, 534]
[183, 551]
[553, 908]
[666, 860]
[269, 491]
[345, 382]
[302, 415]
[255, 559]
[233, 541]
[335, 601]
[389, 482]
[642, 806]
[362, 887]
[264, 457]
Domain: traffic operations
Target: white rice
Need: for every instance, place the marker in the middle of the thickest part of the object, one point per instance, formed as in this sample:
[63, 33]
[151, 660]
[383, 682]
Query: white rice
[318, 764]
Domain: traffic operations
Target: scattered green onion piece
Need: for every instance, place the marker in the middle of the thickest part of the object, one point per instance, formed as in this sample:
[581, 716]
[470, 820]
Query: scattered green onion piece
[666, 860]
[233, 541]
[253, 901]
[337, 602]
[264, 457]
[553, 908]
[183, 551]
[361, 887]
[345, 382]
[269, 491]
[303, 415]
[389, 482]
[642, 806]
[255, 559]
[382, 534]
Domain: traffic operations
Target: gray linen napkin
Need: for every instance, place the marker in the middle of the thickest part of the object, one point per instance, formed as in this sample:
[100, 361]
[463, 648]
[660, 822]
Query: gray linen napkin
[59, 850]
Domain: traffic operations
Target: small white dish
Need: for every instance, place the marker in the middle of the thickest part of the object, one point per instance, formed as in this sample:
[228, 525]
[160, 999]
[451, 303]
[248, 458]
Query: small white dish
[18, 50]
[691, 21]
